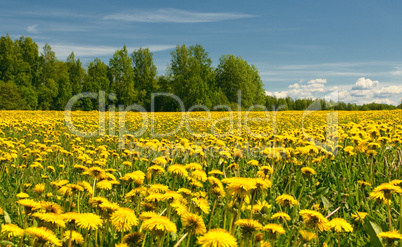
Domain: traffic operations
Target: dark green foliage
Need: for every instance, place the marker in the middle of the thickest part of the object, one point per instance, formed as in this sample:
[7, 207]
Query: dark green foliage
[41, 81]
[10, 99]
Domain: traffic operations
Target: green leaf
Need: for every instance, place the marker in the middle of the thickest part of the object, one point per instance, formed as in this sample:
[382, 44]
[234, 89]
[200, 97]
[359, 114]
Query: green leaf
[326, 203]
[6, 243]
[7, 218]
[373, 229]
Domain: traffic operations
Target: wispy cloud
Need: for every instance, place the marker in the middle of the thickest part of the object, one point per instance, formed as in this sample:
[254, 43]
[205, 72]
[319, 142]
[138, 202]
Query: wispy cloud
[64, 50]
[174, 16]
[33, 29]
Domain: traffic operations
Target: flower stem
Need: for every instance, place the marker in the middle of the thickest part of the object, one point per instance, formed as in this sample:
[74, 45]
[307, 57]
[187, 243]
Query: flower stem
[70, 238]
[389, 216]
[181, 240]
[211, 215]
[188, 241]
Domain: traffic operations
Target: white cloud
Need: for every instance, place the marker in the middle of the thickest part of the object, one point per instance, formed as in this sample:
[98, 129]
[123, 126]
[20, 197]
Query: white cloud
[33, 29]
[64, 50]
[364, 84]
[364, 91]
[174, 16]
[317, 81]
[277, 94]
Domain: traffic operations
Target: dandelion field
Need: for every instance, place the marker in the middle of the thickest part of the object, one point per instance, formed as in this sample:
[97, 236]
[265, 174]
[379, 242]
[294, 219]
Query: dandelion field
[259, 180]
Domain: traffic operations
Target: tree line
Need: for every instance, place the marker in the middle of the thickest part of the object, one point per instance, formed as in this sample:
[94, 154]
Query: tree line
[33, 80]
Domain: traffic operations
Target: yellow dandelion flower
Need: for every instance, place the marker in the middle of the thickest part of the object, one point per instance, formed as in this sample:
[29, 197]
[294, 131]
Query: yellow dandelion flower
[202, 204]
[96, 172]
[76, 237]
[155, 169]
[160, 161]
[123, 219]
[158, 188]
[22, 195]
[52, 218]
[274, 229]
[147, 215]
[29, 205]
[390, 236]
[193, 224]
[199, 175]
[71, 217]
[280, 215]
[314, 219]
[364, 183]
[215, 173]
[286, 200]
[253, 163]
[97, 201]
[39, 188]
[307, 236]
[137, 177]
[159, 225]
[248, 226]
[265, 171]
[265, 244]
[127, 163]
[133, 238]
[397, 182]
[217, 238]
[89, 221]
[308, 171]
[104, 185]
[178, 170]
[384, 192]
[179, 207]
[59, 183]
[12, 230]
[240, 187]
[340, 225]
[86, 186]
[193, 166]
[359, 216]
[43, 235]
[81, 168]
[261, 206]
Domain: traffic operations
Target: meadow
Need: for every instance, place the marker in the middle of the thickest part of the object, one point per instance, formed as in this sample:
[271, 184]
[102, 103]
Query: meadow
[246, 179]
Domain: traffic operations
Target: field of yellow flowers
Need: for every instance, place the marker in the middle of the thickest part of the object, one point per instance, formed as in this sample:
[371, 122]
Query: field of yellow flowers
[224, 180]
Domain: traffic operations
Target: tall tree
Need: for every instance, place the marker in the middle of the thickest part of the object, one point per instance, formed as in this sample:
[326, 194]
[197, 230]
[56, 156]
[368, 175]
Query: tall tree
[233, 74]
[25, 71]
[76, 73]
[64, 86]
[122, 77]
[145, 75]
[193, 76]
[47, 86]
[7, 59]
[97, 80]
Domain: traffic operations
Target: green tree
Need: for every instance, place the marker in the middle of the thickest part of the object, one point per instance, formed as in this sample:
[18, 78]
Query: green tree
[10, 99]
[145, 75]
[122, 77]
[64, 87]
[76, 73]
[47, 85]
[97, 80]
[193, 75]
[233, 74]
[7, 59]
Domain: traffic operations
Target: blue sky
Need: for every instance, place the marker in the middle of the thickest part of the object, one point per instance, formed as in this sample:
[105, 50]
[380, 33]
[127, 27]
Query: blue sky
[350, 50]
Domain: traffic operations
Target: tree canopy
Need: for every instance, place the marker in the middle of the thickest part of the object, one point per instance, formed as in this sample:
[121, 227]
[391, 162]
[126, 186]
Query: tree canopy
[31, 80]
